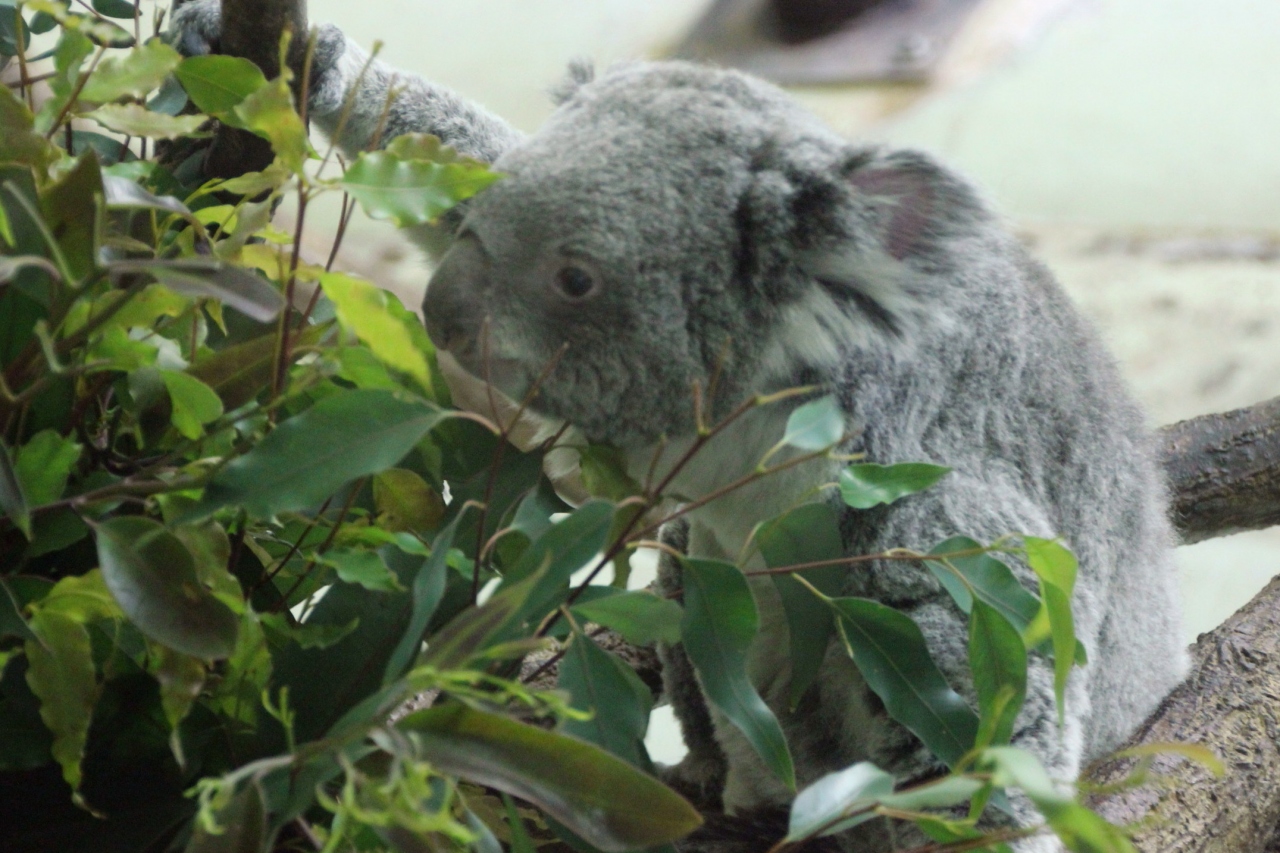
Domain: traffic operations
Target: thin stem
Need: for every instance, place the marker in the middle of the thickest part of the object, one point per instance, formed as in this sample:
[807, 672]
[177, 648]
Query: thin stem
[293, 549]
[324, 546]
[24, 80]
[283, 354]
[75, 93]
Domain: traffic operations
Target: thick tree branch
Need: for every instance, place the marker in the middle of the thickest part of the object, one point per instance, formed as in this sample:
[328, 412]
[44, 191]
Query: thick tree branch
[1229, 703]
[1224, 471]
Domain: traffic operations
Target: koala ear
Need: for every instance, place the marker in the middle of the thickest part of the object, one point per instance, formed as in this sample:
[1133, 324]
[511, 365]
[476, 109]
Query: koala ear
[580, 73]
[881, 234]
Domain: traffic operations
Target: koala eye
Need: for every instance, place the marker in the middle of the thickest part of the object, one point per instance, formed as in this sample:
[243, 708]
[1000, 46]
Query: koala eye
[575, 282]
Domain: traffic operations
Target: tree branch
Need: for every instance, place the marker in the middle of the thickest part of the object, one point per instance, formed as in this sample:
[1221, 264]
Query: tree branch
[1229, 703]
[1224, 471]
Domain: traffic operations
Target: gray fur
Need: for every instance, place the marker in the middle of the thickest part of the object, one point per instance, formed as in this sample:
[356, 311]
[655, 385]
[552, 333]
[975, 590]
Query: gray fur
[730, 235]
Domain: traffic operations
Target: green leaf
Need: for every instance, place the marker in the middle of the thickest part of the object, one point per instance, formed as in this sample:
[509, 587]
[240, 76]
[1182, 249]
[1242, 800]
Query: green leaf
[720, 621]
[123, 192]
[808, 533]
[867, 485]
[428, 589]
[473, 630]
[44, 464]
[12, 499]
[68, 56]
[239, 288]
[366, 568]
[115, 8]
[181, 679]
[269, 112]
[944, 793]
[152, 575]
[217, 84]
[641, 617]
[568, 546]
[12, 622]
[405, 502]
[82, 598]
[1055, 565]
[363, 309]
[998, 661]
[137, 120]
[19, 143]
[815, 425]
[604, 473]
[101, 31]
[991, 581]
[194, 404]
[310, 456]
[891, 654]
[239, 372]
[520, 840]
[412, 191]
[61, 674]
[618, 700]
[133, 74]
[609, 803]
[818, 809]
[73, 215]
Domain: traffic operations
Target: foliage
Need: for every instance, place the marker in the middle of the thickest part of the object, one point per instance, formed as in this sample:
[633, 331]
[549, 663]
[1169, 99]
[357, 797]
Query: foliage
[236, 504]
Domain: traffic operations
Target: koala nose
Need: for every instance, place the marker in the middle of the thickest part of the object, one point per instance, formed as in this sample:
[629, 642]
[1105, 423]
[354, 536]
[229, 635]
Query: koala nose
[452, 306]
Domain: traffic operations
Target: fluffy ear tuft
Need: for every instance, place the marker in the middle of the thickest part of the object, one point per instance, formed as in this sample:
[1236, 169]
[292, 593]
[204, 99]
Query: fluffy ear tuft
[581, 72]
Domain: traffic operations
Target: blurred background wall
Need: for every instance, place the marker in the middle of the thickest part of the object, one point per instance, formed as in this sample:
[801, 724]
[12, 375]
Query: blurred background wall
[1134, 143]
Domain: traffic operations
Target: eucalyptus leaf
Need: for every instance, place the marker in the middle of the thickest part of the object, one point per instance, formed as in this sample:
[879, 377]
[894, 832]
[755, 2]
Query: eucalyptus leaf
[137, 120]
[405, 502]
[891, 654]
[193, 404]
[237, 287]
[122, 192]
[866, 485]
[568, 546]
[311, 455]
[981, 574]
[362, 567]
[132, 74]
[12, 499]
[998, 661]
[428, 589]
[618, 700]
[1055, 565]
[268, 111]
[394, 338]
[815, 425]
[639, 616]
[44, 465]
[601, 798]
[720, 621]
[806, 534]
[151, 574]
[838, 801]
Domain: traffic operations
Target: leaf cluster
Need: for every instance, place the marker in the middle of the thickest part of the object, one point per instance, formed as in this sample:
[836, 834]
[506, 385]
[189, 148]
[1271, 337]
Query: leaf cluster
[262, 588]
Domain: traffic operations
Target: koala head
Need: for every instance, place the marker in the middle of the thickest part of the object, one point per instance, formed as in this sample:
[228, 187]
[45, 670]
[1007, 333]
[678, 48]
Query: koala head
[673, 224]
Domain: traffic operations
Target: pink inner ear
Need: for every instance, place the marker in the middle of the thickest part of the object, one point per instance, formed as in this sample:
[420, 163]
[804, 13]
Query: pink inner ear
[910, 200]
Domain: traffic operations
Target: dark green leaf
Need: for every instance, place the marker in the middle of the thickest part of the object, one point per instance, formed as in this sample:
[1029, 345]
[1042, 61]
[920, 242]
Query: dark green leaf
[998, 661]
[152, 576]
[428, 588]
[602, 798]
[12, 622]
[866, 485]
[405, 502]
[72, 215]
[991, 580]
[568, 546]
[115, 8]
[818, 809]
[808, 533]
[217, 84]
[236, 287]
[309, 456]
[239, 372]
[12, 500]
[520, 840]
[122, 192]
[815, 425]
[412, 191]
[720, 621]
[366, 568]
[598, 682]
[890, 652]
[472, 631]
[639, 616]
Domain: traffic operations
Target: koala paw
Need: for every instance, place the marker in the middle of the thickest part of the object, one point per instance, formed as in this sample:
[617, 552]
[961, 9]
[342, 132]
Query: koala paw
[195, 28]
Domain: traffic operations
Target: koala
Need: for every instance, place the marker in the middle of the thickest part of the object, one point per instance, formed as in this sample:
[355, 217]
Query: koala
[674, 225]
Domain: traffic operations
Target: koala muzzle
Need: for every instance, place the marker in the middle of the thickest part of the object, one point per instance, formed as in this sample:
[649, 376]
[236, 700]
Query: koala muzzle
[453, 307]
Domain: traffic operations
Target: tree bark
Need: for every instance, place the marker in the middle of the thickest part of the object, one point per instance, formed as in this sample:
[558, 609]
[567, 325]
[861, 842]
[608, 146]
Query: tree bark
[252, 29]
[1229, 703]
[1224, 471]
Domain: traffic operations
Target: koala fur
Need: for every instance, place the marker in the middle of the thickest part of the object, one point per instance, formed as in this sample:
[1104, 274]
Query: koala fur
[677, 224]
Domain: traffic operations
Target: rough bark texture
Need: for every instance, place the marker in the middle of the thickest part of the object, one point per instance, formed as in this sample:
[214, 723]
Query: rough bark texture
[1230, 703]
[251, 29]
[1224, 471]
